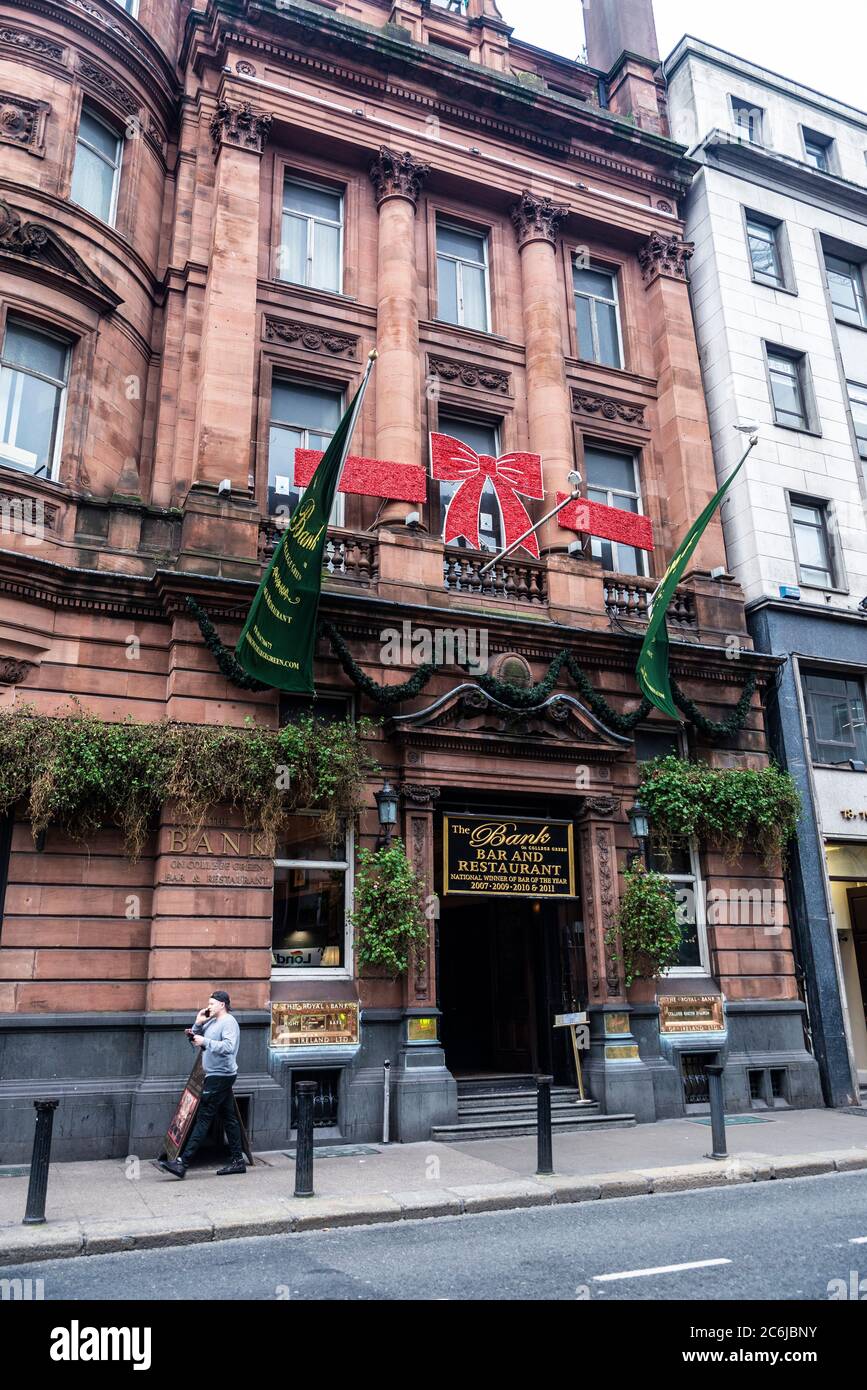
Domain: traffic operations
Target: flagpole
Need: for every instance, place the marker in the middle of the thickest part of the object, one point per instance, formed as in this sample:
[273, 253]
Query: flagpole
[574, 496]
[754, 439]
[359, 401]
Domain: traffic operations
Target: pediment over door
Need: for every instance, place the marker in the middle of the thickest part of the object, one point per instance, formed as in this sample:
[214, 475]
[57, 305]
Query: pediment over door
[467, 718]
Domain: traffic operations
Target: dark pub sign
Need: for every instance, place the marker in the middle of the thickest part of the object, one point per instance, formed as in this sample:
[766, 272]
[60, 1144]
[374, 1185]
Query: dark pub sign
[496, 857]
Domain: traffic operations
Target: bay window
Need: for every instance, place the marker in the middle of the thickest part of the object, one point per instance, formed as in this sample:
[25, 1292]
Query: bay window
[34, 369]
[96, 175]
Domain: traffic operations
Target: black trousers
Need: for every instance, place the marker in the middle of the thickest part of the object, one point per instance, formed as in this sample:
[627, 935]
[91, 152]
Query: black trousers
[218, 1102]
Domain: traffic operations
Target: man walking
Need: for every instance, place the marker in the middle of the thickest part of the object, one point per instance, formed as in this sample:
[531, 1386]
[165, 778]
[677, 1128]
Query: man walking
[217, 1033]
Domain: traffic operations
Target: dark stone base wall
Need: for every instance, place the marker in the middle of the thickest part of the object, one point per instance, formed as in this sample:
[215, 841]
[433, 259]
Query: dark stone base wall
[119, 1077]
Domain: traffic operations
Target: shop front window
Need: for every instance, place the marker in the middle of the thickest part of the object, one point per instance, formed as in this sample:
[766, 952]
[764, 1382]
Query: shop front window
[311, 897]
[680, 867]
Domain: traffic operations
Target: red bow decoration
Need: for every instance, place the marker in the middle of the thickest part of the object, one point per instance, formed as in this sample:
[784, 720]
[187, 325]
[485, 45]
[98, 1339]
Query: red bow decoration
[511, 474]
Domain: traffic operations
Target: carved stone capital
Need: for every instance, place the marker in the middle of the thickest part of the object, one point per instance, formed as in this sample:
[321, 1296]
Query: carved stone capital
[397, 175]
[240, 126]
[600, 807]
[664, 255]
[418, 795]
[537, 219]
[14, 671]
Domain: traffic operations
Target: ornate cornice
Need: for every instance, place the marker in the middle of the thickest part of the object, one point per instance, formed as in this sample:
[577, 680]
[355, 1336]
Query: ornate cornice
[108, 86]
[33, 245]
[310, 338]
[31, 43]
[466, 374]
[240, 126]
[665, 255]
[537, 219]
[591, 403]
[396, 175]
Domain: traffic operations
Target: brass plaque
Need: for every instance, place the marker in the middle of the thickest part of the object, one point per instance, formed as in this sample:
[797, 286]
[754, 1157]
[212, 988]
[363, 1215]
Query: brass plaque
[493, 857]
[691, 1013]
[421, 1030]
[313, 1025]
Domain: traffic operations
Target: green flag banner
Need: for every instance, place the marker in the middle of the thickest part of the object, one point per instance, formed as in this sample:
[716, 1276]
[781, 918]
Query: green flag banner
[652, 670]
[277, 642]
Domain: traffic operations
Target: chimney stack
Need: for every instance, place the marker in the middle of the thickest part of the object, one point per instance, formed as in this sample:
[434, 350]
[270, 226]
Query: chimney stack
[613, 27]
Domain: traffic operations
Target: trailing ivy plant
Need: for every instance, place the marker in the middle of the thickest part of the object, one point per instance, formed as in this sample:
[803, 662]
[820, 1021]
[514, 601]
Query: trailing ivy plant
[81, 774]
[728, 808]
[388, 919]
[650, 933]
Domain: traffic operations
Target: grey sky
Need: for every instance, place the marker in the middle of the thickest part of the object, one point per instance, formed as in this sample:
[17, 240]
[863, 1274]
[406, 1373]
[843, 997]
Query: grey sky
[821, 45]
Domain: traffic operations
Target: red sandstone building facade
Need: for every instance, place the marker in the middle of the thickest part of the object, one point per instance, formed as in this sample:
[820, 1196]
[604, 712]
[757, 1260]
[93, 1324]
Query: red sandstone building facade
[209, 214]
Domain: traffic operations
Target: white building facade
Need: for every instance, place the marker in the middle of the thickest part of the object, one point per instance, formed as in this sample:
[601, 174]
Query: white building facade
[778, 216]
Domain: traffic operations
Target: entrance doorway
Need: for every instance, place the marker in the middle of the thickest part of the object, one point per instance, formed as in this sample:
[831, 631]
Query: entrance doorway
[504, 972]
[857, 986]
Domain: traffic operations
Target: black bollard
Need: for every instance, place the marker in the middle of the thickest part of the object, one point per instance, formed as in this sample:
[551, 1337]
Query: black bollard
[544, 1145]
[305, 1092]
[38, 1187]
[717, 1110]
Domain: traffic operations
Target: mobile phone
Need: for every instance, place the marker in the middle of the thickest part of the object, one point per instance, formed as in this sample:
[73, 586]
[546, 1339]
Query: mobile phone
[207, 1013]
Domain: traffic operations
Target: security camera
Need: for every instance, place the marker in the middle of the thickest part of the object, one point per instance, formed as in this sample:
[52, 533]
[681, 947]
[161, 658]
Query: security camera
[747, 427]
[225, 488]
[576, 548]
[413, 519]
[574, 479]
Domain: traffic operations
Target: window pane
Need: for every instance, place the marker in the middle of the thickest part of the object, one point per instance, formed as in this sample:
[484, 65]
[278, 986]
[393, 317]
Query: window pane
[595, 282]
[282, 492]
[606, 327]
[307, 406]
[583, 313]
[306, 839]
[482, 438]
[98, 135]
[811, 546]
[447, 290]
[316, 202]
[763, 250]
[309, 917]
[25, 347]
[93, 183]
[28, 418]
[293, 252]
[817, 155]
[610, 470]
[326, 257]
[847, 290]
[786, 389]
[858, 399]
[650, 743]
[467, 245]
[475, 298]
[835, 719]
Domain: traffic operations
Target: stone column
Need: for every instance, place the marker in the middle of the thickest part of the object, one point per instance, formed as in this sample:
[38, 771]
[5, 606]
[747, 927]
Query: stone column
[537, 221]
[617, 1077]
[227, 370]
[397, 180]
[688, 474]
[425, 1092]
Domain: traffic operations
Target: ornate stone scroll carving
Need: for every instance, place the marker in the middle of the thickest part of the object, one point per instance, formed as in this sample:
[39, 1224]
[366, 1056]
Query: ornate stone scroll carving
[240, 126]
[537, 219]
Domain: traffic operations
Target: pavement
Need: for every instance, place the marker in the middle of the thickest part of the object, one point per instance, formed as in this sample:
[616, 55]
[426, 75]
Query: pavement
[109, 1206]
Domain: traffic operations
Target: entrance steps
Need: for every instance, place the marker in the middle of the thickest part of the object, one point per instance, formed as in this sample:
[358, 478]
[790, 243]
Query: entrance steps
[504, 1107]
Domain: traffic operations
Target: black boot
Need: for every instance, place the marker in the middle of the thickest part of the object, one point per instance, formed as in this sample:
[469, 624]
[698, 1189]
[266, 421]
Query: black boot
[237, 1165]
[175, 1166]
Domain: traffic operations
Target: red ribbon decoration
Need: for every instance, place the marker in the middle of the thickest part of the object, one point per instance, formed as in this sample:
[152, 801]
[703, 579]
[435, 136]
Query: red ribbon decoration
[455, 462]
[608, 523]
[362, 477]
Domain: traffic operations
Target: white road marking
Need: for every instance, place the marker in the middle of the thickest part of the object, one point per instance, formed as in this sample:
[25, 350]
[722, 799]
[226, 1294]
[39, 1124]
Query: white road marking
[660, 1269]
[858, 1240]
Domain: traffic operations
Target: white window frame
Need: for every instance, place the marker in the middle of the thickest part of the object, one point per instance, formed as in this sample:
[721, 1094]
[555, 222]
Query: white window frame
[336, 972]
[759, 222]
[130, 6]
[80, 140]
[312, 220]
[593, 300]
[857, 392]
[695, 880]
[459, 262]
[613, 494]
[51, 473]
[338, 511]
[857, 278]
[755, 134]
[818, 141]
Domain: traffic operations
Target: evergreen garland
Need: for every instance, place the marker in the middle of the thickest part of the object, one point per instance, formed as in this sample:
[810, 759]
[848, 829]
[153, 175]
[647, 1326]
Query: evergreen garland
[516, 697]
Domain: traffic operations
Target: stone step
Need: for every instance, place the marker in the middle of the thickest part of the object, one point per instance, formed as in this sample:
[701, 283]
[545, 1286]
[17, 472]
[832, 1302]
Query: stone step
[515, 1128]
[566, 1106]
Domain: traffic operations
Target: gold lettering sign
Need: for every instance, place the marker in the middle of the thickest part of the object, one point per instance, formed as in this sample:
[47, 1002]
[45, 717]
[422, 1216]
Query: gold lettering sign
[313, 1024]
[498, 857]
[691, 1013]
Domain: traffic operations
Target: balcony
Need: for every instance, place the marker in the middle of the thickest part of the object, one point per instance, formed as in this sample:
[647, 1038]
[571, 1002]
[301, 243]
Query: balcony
[520, 581]
[627, 596]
